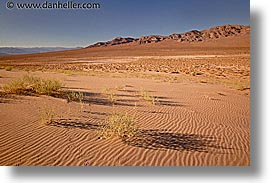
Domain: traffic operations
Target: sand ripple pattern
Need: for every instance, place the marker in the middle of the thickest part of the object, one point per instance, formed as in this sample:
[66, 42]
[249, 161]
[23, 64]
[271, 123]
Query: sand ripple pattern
[192, 125]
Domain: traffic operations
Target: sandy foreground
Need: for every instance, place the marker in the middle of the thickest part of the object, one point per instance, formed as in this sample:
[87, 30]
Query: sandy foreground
[195, 124]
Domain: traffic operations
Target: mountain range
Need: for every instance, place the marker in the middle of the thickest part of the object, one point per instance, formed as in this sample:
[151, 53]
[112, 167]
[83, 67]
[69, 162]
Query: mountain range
[237, 34]
[191, 36]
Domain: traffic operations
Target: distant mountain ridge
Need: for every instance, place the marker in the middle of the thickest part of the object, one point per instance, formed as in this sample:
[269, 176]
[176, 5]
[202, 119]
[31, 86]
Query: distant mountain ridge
[191, 36]
[22, 50]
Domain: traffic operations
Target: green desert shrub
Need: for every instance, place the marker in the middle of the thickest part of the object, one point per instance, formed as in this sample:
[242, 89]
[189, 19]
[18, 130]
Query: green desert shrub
[111, 95]
[47, 115]
[8, 68]
[75, 96]
[33, 85]
[119, 125]
[147, 97]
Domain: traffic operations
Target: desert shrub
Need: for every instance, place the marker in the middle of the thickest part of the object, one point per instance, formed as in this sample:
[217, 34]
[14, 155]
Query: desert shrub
[47, 115]
[147, 97]
[2, 94]
[120, 125]
[15, 87]
[33, 85]
[242, 86]
[8, 68]
[75, 96]
[111, 95]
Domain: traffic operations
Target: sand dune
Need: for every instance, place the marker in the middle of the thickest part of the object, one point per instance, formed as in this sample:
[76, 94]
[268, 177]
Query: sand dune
[197, 112]
[195, 124]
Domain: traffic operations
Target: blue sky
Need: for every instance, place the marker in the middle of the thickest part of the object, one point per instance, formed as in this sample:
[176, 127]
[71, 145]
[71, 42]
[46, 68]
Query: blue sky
[134, 18]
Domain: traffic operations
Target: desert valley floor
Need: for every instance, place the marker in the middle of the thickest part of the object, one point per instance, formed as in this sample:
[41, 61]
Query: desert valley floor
[200, 116]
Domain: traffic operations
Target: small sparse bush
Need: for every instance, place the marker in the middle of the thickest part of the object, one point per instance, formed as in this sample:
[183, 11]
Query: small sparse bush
[110, 94]
[33, 85]
[2, 95]
[241, 87]
[120, 125]
[47, 115]
[75, 96]
[147, 97]
[8, 68]
[15, 87]
[120, 87]
[203, 81]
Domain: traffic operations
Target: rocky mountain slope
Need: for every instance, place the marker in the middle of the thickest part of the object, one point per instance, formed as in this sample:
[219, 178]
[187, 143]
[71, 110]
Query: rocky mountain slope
[191, 36]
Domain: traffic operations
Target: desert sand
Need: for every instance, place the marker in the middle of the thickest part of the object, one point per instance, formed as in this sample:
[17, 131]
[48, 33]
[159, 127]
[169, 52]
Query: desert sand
[196, 124]
[202, 117]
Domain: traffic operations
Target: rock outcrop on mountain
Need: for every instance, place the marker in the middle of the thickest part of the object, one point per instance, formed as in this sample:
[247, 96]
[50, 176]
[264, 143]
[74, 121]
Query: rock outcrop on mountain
[191, 36]
[116, 41]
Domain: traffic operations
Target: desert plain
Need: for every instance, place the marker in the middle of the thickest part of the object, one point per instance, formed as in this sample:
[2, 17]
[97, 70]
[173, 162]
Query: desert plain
[189, 100]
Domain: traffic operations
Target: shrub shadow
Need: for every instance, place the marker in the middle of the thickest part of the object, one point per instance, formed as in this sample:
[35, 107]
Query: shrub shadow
[101, 99]
[156, 139]
[7, 98]
[153, 139]
[93, 98]
[73, 123]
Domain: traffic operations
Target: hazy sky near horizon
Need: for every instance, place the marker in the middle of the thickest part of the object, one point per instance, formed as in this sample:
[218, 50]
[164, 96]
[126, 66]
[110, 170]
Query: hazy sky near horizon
[133, 18]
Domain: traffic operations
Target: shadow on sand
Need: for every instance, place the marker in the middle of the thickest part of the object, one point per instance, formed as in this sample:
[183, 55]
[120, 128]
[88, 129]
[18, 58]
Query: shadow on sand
[96, 99]
[163, 140]
[74, 123]
[154, 139]
[7, 98]
[101, 99]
